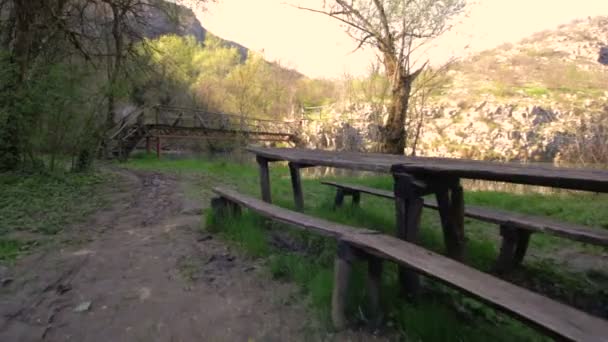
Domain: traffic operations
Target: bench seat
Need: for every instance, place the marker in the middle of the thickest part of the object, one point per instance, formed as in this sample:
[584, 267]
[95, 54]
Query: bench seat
[556, 319]
[515, 227]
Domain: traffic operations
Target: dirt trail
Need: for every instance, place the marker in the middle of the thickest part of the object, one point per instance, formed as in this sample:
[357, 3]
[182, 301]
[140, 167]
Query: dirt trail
[142, 271]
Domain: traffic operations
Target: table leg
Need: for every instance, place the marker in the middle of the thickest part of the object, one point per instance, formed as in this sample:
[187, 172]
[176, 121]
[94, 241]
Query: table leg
[457, 218]
[408, 205]
[451, 211]
[264, 179]
[296, 185]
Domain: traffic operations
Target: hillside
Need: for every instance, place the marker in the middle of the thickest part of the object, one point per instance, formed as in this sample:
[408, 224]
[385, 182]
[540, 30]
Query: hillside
[181, 20]
[543, 98]
[556, 65]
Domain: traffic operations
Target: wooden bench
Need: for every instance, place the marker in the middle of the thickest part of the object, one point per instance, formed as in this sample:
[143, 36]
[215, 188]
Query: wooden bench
[556, 319]
[515, 228]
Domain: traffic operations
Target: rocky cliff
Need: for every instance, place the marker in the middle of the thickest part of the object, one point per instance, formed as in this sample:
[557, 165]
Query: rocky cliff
[545, 98]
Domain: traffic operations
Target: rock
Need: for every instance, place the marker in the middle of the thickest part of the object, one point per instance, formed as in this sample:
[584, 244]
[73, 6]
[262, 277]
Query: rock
[63, 288]
[5, 280]
[205, 237]
[82, 307]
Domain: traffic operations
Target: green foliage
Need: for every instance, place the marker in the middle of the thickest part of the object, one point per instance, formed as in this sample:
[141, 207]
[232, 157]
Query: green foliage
[42, 205]
[49, 114]
[213, 76]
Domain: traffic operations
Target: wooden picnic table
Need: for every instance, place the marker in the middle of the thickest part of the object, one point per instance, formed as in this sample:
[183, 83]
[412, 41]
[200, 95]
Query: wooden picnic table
[416, 177]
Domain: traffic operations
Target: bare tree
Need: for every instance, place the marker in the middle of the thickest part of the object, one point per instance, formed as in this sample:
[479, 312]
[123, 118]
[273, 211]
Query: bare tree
[397, 29]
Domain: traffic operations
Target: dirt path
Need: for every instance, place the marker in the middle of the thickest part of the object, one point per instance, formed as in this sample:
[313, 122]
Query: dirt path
[143, 271]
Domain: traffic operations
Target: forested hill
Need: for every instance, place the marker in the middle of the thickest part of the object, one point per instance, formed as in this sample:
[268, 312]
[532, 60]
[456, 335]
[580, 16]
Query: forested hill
[179, 20]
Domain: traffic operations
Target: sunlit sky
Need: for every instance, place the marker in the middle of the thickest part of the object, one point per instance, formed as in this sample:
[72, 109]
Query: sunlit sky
[317, 45]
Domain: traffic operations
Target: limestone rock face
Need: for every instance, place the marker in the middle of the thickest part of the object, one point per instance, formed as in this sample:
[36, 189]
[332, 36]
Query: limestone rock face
[486, 130]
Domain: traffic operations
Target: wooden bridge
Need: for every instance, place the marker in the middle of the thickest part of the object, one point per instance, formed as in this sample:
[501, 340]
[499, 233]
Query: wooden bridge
[158, 123]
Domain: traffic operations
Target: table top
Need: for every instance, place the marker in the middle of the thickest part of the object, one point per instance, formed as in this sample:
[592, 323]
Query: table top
[532, 174]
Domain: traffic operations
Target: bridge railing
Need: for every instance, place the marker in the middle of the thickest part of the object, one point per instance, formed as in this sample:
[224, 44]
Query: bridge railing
[193, 118]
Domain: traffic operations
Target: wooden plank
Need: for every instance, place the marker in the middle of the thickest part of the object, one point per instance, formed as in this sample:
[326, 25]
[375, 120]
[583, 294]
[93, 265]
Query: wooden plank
[320, 226]
[557, 319]
[363, 189]
[349, 160]
[542, 175]
[572, 231]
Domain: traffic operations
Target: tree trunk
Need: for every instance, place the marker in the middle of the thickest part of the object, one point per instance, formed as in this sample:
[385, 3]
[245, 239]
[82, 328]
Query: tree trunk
[393, 134]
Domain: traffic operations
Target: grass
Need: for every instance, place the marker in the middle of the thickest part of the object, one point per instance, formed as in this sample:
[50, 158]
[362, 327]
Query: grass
[441, 314]
[36, 206]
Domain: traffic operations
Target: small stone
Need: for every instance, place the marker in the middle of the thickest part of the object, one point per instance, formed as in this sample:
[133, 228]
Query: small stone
[6, 281]
[206, 237]
[82, 307]
[63, 288]
[248, 269]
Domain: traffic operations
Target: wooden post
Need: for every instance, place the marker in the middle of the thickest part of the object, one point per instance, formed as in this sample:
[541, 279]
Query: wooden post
[339, 198]
[408, 208]
[523, 240]
[223, 207]
[450, 202]
[296, 185]
[513, 248]
[356, 198]
[148, 145]
[504, 263]
[457, 244]
[264, 179]
[374, 283]
[342, 271]
[158, 147]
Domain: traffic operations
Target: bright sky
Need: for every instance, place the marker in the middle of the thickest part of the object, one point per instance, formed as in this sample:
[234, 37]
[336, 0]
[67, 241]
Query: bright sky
[317, 46]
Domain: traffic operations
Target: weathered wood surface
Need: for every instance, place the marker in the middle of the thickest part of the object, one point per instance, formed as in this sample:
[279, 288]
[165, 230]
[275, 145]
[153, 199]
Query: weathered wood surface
[322, 227]
[591, 235]
[360, 188]
[542, 175]
[557, 319]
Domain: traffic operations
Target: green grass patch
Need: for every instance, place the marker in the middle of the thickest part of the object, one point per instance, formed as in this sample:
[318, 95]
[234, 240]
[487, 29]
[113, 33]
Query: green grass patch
[39, 205]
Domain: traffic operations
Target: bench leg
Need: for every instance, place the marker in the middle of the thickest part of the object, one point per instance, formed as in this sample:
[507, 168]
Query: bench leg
[296, 185]
[408, 208]
[342, 271]
[523, 240]
[513, 248]
[374, 283]
[264, 179]
[339, 200]
[222, 207]
[356, 198]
